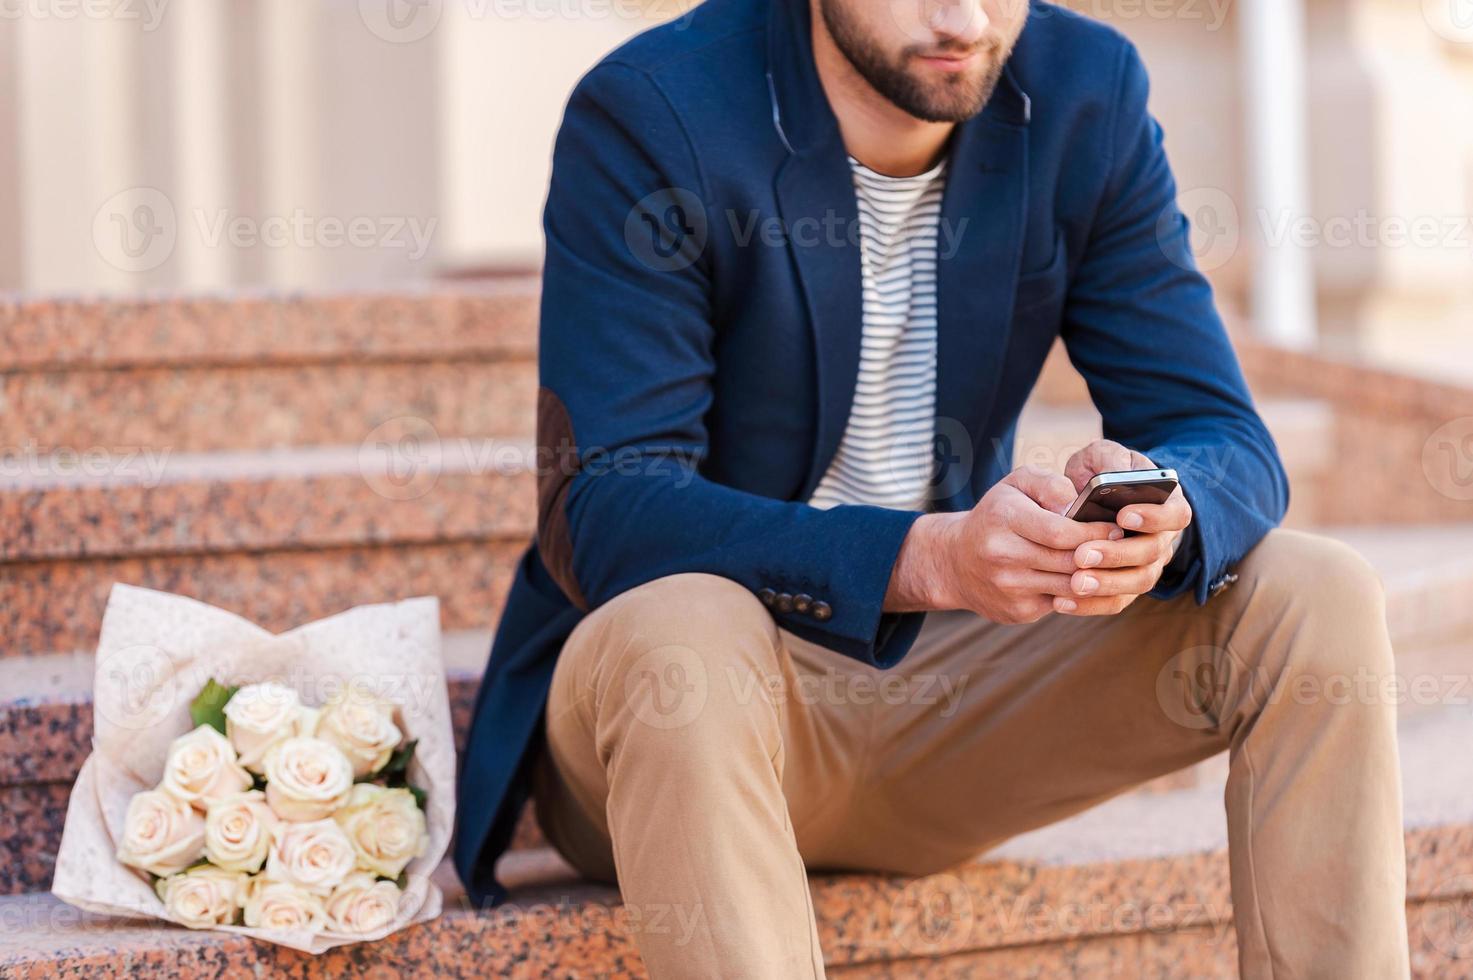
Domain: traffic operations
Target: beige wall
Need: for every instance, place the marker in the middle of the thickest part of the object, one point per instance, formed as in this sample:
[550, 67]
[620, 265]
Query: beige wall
[504, 82]
[1392, 118]
[12, 273]
[228, 142]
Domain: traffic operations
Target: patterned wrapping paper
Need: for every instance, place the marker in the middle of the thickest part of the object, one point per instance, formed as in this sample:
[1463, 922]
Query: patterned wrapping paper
[156, 652]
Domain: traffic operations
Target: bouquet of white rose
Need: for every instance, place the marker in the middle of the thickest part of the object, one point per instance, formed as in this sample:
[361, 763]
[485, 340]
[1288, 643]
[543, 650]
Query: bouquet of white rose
[308, 822]
[258, 815]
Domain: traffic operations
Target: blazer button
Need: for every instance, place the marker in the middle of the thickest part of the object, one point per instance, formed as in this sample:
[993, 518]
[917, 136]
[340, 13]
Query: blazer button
[802, 601]
[767, 596]
[822, 612]
[783, 603]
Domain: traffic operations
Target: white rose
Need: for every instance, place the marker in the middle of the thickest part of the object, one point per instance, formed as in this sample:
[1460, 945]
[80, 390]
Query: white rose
[306, 778]
[203, 897]
[238, 831]
[362, 904]
[363, 727]
[314, 856]
[386, 827]
[161, 833]
[202, 768]
[260, 715]
[282, 906]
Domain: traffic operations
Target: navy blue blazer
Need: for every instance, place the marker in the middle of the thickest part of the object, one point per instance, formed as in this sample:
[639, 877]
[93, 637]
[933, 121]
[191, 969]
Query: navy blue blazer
[700, 341]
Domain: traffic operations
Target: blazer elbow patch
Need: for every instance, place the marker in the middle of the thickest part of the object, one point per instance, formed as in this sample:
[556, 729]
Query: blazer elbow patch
[557, 464]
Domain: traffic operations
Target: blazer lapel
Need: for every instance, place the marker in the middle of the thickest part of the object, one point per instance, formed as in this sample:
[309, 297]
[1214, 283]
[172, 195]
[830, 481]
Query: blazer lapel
[816, 195]
[979, 248]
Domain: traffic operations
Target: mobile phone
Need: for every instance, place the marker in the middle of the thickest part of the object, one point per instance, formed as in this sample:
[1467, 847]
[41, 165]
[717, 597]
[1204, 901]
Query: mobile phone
[1104, 496]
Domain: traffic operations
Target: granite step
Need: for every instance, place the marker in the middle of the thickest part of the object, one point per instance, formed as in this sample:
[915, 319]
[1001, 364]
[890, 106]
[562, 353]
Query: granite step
[1135, 887]
[282, 537]
[1428, 574]
[58, 605]
[100, 382]
[1398, 442]
[55, 421]
[403, 486]
[496, 320]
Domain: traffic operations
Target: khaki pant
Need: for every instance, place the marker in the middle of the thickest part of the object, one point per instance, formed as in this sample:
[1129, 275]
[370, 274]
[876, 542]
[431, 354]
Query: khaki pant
[704, 758]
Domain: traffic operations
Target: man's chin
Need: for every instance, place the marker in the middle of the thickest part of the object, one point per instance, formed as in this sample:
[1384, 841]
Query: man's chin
[952, 99]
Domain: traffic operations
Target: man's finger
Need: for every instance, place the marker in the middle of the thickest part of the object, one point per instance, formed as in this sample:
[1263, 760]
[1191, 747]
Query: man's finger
[1116, 581]
[1054, 531]
[1174, 515]
[1143, 549]
[1046, 583]
[1026, 554]
[1051, 491]
[1105, 606]
[1100, 456]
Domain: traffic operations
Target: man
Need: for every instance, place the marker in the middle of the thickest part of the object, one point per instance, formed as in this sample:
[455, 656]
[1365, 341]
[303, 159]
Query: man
[804, 264]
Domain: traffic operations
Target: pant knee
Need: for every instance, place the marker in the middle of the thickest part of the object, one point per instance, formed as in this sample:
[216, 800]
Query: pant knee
[1324, 592]
[682, 662]
[1313, 569]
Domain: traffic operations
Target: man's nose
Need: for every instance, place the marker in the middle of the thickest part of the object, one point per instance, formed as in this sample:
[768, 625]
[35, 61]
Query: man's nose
[963, 21]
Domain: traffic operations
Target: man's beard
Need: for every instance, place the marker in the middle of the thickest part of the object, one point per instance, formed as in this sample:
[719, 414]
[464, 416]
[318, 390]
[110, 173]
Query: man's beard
[953, 99]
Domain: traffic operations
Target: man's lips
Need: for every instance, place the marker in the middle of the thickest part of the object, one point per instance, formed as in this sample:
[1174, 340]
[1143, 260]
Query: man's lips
[950, 61]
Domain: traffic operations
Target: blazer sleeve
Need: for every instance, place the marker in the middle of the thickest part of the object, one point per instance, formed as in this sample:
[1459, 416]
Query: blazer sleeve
[1141, 326]
[626, 366]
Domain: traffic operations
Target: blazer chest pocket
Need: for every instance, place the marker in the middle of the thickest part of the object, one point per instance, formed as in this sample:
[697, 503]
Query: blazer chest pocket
[1042, 290]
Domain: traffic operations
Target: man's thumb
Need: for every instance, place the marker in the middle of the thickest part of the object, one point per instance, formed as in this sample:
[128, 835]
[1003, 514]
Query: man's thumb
[1053, 492]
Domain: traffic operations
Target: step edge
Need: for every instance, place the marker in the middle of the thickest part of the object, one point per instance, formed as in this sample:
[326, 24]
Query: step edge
[978, 877]
[453, 456]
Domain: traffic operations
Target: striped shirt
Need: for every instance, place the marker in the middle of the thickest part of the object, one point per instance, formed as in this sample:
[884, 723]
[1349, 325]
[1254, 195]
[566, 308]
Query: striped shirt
[885, 457]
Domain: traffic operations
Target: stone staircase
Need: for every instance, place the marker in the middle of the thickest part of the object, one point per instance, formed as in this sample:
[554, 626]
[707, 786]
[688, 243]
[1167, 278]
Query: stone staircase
[286, 458]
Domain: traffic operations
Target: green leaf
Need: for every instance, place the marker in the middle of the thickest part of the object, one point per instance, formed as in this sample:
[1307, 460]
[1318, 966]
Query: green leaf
[208, 707]
[403, 880]
[419, 795]
[398, 763]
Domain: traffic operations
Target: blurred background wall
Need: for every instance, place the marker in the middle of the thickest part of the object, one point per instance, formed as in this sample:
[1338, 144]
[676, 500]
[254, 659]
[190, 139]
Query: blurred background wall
[201, 145]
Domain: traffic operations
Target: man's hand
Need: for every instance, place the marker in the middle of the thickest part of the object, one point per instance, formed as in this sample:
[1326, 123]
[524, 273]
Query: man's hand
[1008, 559]
[1113, 574]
